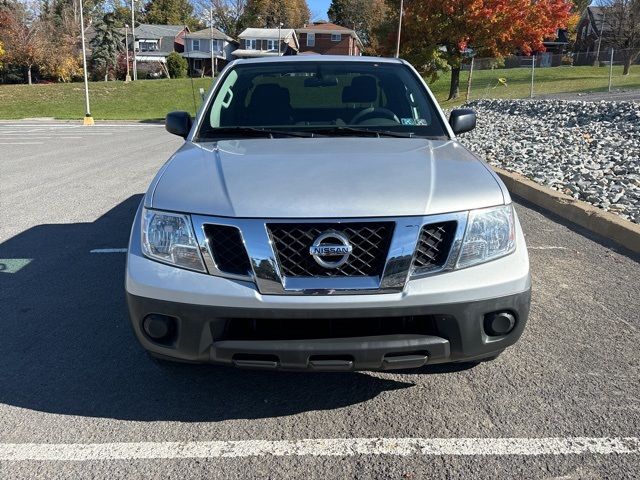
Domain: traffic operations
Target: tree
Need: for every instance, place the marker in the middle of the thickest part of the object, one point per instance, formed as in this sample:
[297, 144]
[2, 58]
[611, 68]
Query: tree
[171, 12]
[444, 30]
[61, 61]
[269, 13]
[176, 65]
[363, 16]
[105, 45]
[621, 29]
[228, 15]
[22, 36]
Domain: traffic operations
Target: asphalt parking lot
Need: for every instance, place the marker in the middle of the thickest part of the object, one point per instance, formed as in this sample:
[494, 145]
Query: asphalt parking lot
[72, 374]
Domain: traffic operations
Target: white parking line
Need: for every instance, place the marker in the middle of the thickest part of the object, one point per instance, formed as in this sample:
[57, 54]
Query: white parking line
[21, 143]
[109, 250]
[342, 447]
[547, 248]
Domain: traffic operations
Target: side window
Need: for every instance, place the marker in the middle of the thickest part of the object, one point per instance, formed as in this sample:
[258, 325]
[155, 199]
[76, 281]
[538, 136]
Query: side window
[311, 39]
[336, 37]
[196, 45]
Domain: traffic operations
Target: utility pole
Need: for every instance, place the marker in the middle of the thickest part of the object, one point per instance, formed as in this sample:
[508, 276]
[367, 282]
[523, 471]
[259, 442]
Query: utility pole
[213, 70]
[126, 49]
[88, 119]
[133, 36]
[399, 28]
[279, 36]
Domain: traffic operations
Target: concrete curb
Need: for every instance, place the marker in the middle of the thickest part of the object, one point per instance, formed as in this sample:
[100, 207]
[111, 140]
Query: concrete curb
[592, 218]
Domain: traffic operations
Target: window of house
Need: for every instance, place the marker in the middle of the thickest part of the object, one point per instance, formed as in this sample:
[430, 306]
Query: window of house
[311, 39]
[336, 37]
[147, 46]
[250, 44]
[196, 45]
[272, 44]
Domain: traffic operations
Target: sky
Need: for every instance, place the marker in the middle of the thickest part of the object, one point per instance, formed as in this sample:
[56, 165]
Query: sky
[318, 9]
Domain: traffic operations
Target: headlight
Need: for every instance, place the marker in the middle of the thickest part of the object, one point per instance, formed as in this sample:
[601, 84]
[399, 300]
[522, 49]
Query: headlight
[169, 238]
[491, 233]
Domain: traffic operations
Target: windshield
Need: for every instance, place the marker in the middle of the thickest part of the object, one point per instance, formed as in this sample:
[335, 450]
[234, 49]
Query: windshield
[320, 99]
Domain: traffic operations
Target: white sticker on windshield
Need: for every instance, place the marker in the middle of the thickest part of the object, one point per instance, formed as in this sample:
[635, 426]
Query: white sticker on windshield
[411, 121]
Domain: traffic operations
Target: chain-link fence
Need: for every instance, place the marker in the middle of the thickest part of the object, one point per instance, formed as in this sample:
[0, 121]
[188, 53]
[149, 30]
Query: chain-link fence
[550, 74]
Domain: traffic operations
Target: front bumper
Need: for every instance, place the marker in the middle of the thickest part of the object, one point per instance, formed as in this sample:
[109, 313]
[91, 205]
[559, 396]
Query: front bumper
[453, 332]
[445, 313]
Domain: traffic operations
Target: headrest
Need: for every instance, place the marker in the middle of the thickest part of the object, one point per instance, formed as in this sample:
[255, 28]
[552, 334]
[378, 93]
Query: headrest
[270, 94]
[363, 89]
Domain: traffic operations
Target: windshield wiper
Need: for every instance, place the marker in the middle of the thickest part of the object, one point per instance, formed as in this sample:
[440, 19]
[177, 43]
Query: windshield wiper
[355, 131]
[214, 133]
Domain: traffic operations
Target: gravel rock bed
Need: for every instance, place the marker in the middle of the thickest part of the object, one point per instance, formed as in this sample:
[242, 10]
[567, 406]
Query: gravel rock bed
[588, 150]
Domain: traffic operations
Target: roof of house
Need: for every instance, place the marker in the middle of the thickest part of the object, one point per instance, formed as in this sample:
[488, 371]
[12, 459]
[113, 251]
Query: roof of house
[207, 33]
[328, 27]
[597, 19]
[267, 33]
[147, 30]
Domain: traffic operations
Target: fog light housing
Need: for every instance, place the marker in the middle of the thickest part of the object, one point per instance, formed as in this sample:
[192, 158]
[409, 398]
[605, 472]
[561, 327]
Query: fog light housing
[160, 328]
[497, 324]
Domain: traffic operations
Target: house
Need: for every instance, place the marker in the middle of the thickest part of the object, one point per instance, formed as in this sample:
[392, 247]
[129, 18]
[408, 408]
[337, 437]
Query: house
[591, 38]
[153, 43]
[199, 47]
[329, 39]
[267, 42]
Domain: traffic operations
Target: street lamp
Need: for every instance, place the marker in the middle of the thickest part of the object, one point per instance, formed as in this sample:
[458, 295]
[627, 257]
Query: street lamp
[126, 49]
[399, 29]
[280, 24]
[213, 63]
[133, 39]
[88, 119]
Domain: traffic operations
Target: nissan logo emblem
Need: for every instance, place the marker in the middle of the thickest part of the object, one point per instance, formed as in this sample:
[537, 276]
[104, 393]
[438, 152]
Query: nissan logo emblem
[331, 245]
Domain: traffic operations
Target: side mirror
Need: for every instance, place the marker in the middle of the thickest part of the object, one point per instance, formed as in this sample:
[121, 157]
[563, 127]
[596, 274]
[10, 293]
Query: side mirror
[178, 123]
[462, 120]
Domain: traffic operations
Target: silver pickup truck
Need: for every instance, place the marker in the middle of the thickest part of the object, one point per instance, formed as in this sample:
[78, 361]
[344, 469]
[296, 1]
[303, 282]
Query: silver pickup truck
[321, 215]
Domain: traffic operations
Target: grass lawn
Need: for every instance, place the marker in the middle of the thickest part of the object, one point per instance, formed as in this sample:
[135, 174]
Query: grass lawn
[140, 100]
[152, 99]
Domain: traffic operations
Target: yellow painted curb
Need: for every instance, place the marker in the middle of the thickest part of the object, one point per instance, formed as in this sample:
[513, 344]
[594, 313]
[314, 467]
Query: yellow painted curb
[88, 120]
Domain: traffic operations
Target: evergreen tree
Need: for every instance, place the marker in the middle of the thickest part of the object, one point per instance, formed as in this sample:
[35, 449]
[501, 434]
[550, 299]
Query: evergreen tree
[106, 45]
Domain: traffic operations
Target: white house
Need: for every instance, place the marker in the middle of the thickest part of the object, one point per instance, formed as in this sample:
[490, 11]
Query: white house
[266, 42]
[200, 45]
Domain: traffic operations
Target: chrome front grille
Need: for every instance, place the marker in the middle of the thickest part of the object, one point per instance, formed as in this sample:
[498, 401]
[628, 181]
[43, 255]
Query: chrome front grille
[370, 242]
[277, 257]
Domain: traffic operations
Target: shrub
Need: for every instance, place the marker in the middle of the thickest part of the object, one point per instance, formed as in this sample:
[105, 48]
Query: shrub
[177, 65]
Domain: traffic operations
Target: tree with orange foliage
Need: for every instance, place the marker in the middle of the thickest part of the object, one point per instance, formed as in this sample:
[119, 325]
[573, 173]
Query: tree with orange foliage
[442, 30]
[21, 31]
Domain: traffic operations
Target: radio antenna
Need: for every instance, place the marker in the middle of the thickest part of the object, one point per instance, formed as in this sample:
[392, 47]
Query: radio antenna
[193, 88]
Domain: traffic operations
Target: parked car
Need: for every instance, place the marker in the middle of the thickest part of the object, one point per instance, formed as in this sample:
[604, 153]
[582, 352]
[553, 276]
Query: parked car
[322, 215]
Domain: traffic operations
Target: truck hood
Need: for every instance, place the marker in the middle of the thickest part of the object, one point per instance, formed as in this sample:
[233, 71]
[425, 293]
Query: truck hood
[324, 178]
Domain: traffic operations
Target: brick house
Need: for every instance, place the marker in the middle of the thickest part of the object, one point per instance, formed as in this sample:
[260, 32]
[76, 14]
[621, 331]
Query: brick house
[329, 39]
